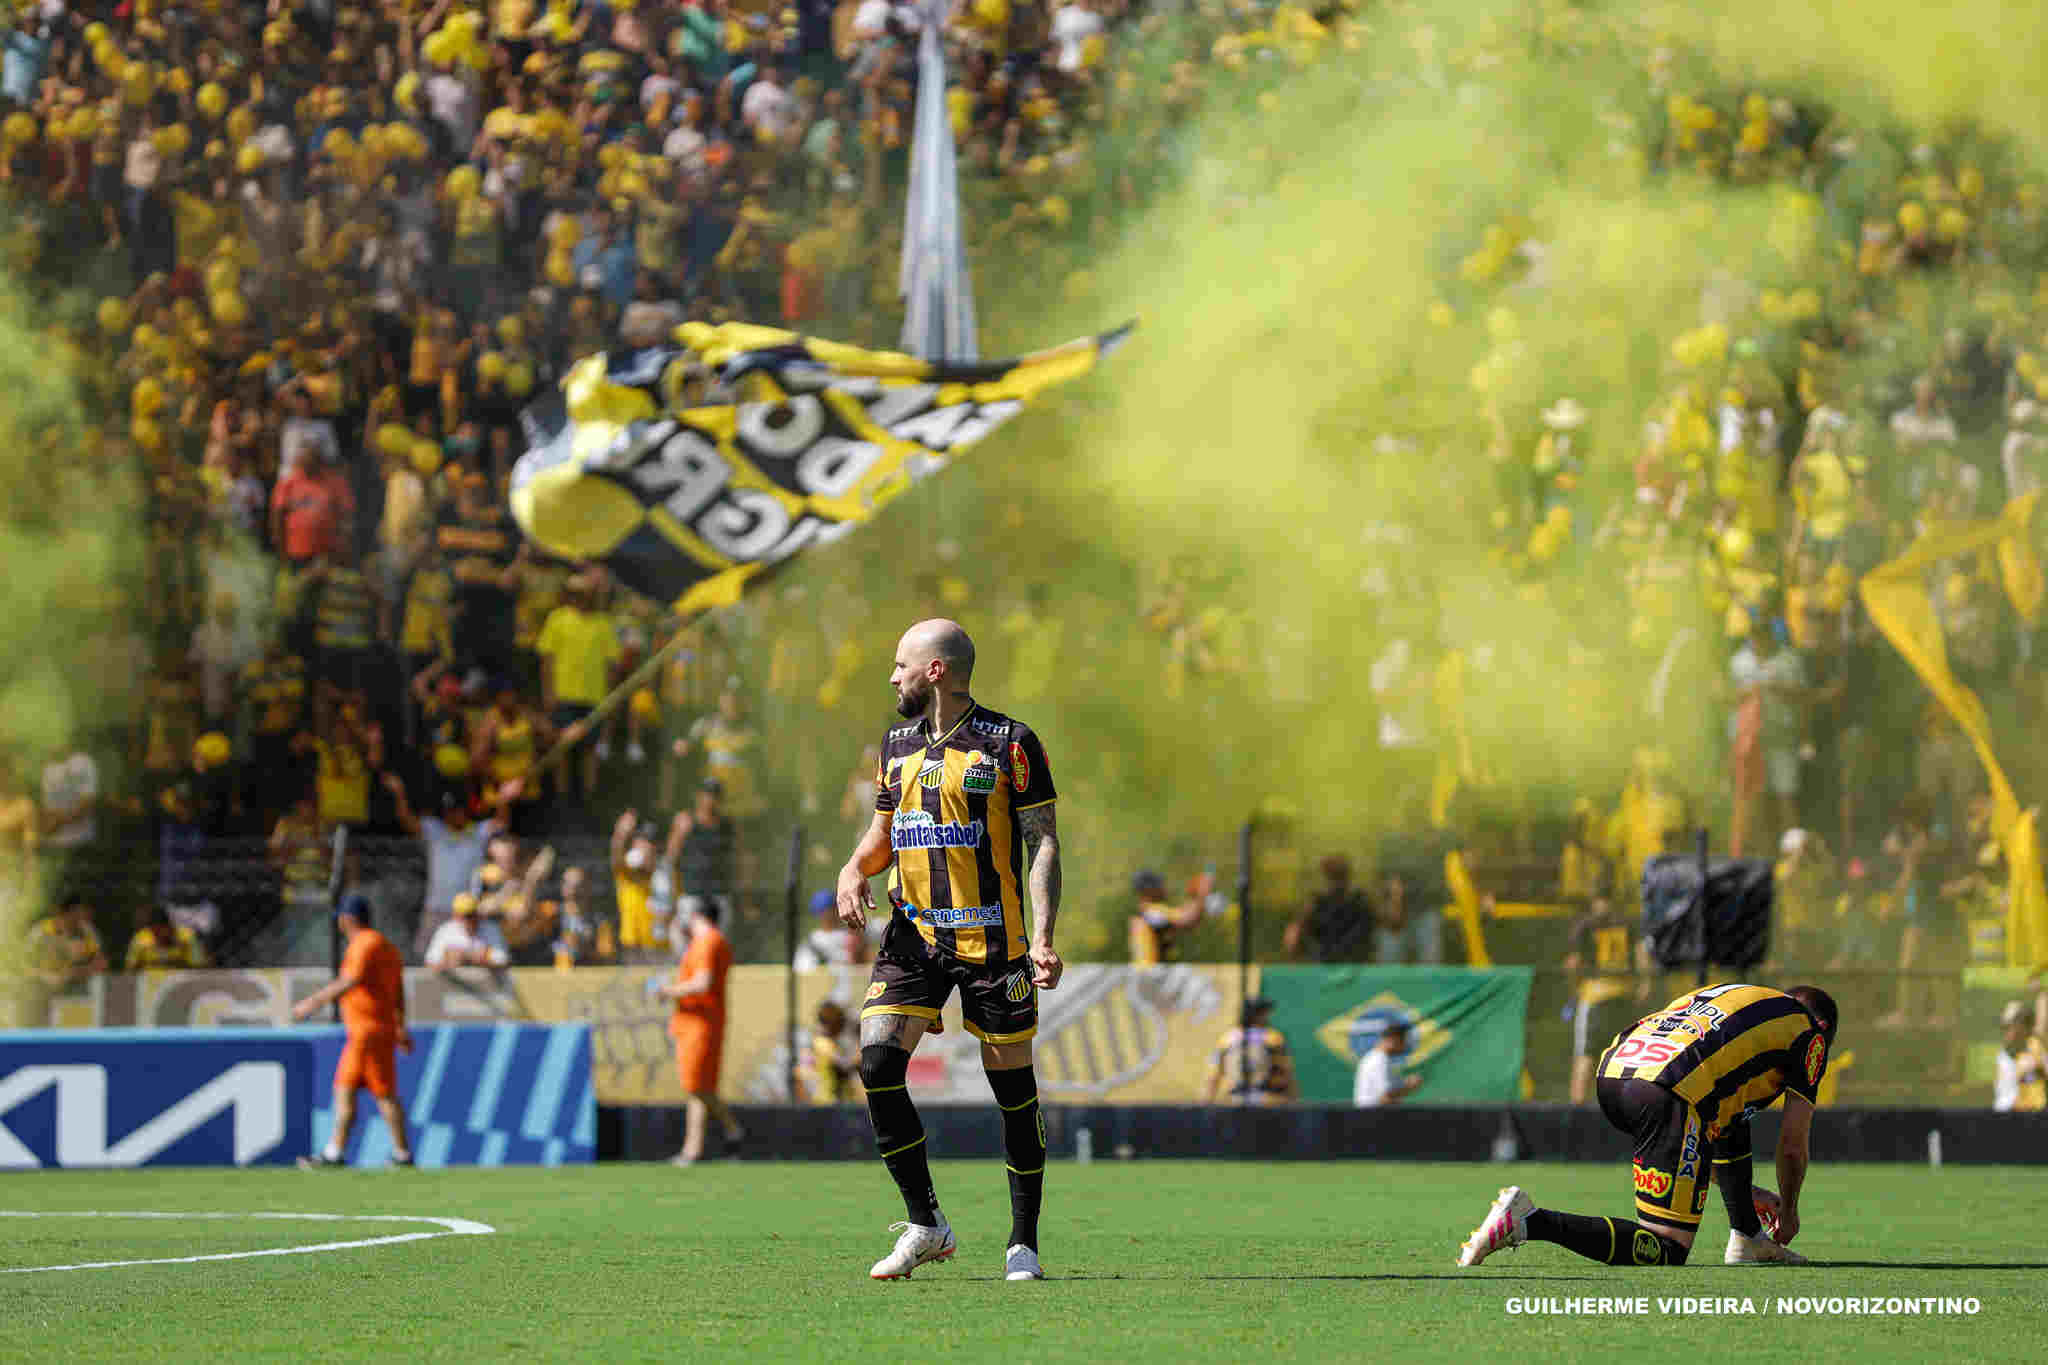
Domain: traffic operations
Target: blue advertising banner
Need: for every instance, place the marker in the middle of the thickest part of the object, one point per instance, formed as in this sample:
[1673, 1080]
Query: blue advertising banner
[477, 1095]
[144, 1097]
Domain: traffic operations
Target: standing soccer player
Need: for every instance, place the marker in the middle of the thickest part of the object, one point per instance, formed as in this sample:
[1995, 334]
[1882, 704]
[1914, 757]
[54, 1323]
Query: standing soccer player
[961, 791]
[1682, 1083]
[371, 988]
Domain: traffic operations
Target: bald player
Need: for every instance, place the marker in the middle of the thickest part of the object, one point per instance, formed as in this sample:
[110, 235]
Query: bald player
[962, 796]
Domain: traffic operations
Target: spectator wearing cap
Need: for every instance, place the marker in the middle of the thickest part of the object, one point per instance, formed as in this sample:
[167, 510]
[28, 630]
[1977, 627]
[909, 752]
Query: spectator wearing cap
[1156, 924]
[467, 940]
[2020, 1080]
[1337, 926]
[830, 943]
[579, 651]
[1378, 1079]
[1251, 1063]
[161, 944]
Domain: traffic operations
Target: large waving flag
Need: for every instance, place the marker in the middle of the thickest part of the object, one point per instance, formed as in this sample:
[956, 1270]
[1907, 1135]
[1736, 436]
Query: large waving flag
[1896, 596]
[688, 470]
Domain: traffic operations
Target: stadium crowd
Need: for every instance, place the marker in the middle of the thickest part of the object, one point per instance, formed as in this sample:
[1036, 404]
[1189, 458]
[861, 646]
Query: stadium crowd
[357, 237]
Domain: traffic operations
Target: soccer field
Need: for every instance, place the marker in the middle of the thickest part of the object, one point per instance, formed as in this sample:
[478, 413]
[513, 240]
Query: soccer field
[1165, 1261]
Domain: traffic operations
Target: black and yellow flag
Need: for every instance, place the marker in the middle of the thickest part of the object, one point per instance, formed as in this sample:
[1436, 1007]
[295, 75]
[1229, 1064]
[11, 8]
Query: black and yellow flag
[687, 470]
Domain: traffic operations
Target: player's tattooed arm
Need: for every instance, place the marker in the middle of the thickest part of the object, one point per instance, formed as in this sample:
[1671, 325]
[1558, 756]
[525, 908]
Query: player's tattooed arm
[1041, 837]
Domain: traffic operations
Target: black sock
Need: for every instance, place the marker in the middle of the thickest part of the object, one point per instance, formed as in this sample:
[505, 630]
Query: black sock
[1016, 1092]
[1611, 1241]
[899, 1133]
[1734, 1172]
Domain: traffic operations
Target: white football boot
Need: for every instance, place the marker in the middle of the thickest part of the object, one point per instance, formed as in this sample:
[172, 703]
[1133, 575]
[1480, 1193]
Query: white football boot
[1020, 1262]
[919, 1245]
[1506, 1225]
[1758, 1251]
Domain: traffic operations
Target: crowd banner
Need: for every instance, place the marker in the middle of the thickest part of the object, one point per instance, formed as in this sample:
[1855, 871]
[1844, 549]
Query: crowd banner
[1896, 596]
[1466, 1027]
[477, 1095]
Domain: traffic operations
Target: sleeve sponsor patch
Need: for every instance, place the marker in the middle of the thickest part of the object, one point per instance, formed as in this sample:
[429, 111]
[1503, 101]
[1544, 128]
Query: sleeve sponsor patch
[1020, 767]
[1816, 1058]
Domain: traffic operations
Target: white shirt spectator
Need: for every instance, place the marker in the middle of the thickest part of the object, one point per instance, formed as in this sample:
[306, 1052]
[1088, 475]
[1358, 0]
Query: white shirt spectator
[1072, 27]
[685, 146]
[2025, 453]
[2005, 1083]
[767, 108]
[218, 651]
[453, 857]
[68, 783]
[309, 439]
[1912, 428]
[871, 20]
[824, 948]
[657, 85]
[453, 102]
[454, 941]
[1374, 1081]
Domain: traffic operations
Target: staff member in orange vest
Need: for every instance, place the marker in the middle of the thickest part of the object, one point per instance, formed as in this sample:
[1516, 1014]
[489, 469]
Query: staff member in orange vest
[698, 1025]
[371, 989]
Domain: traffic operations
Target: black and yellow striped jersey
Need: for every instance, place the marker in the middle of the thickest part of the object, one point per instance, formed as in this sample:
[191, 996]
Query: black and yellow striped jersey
[1726, 1050]
[953, 801]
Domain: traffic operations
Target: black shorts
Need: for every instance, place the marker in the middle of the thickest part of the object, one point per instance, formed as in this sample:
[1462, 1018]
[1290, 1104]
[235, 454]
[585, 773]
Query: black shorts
[1672, 1169]
[998, 1002]
[1594, 1026]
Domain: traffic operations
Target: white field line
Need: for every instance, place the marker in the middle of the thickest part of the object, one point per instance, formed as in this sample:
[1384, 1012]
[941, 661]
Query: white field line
[448, 1227]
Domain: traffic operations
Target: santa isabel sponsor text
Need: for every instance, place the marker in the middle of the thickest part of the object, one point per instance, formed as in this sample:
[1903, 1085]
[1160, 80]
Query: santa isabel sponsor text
[1695, 1306]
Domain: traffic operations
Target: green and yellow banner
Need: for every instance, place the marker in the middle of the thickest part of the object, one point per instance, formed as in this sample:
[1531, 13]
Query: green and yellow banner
[1466, 1027]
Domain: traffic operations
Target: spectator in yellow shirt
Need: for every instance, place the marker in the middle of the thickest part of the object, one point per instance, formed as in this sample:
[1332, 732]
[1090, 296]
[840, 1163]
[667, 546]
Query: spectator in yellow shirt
[162, 944]
[578, 648]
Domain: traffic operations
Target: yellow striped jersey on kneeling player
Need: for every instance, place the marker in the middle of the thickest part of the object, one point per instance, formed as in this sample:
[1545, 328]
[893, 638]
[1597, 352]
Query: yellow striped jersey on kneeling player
[1726, 1050]
[953, 802]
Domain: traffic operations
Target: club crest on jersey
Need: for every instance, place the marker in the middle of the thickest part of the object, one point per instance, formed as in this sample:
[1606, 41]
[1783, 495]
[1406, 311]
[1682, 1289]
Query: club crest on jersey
[981, 774]
[1017, 986]
[1020, 767]
[1816, 1058]
[932, 774]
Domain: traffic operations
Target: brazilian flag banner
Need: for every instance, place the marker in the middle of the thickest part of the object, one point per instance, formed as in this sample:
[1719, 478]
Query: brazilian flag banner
[1466, 1027]
[688, 470]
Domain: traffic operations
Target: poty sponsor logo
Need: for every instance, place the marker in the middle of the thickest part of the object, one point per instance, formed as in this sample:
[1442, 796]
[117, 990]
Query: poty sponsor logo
[958, 916]
[924, 832]
[1652, 1182]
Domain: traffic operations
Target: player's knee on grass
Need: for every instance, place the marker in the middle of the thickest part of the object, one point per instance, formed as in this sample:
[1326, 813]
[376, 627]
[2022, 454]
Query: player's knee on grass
[883, 1066]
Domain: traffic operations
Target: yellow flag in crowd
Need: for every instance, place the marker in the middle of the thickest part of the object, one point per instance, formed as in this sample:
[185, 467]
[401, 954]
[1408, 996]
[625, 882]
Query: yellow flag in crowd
[1896, 596]
[688, 470]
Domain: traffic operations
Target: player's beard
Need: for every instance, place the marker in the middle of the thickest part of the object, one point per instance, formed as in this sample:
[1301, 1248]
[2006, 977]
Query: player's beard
[914, 699]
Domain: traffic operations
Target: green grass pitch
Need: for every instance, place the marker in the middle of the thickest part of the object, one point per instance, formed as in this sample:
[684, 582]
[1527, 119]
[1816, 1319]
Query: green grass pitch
[1150, 1261]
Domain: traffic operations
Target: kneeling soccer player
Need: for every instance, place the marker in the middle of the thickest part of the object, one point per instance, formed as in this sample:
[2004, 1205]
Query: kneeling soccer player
[1682, 1083]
